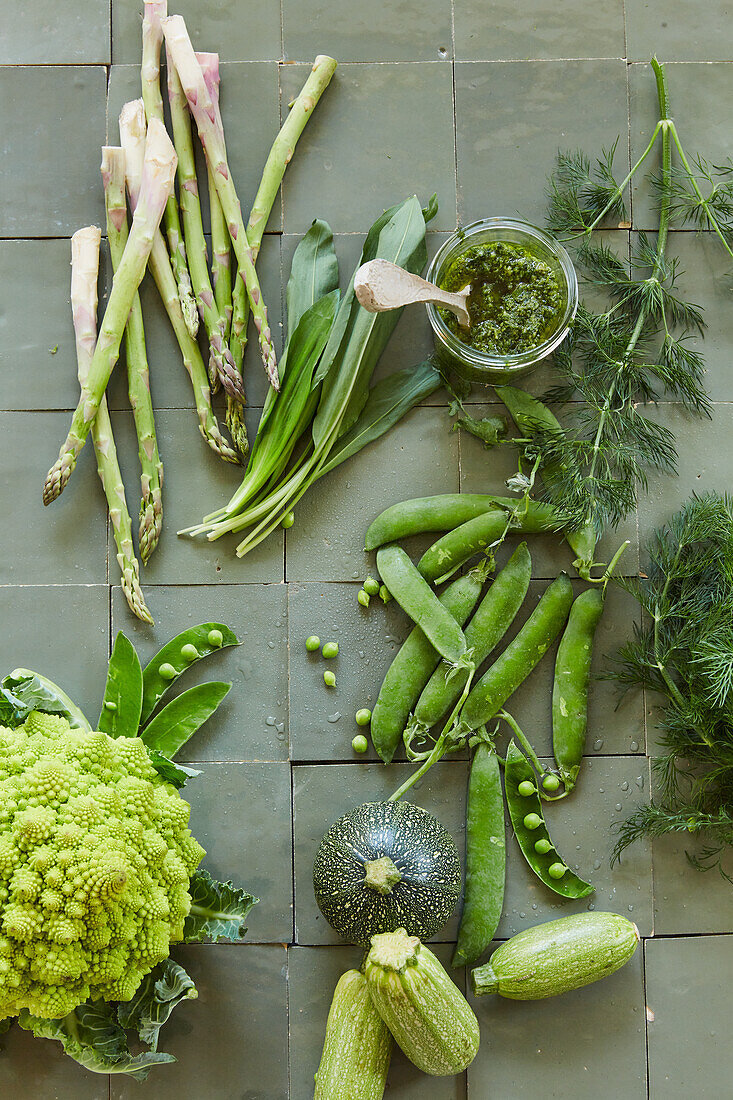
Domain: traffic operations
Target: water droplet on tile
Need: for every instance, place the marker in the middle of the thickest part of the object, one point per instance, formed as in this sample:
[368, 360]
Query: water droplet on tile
[625, 785]
[270, 721]
[598, 744]
[634, 746]
[334, 717]
[619, 806]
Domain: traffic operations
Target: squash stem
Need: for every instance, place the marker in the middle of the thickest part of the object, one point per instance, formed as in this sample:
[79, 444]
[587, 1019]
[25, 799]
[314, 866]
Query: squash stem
[381, 874]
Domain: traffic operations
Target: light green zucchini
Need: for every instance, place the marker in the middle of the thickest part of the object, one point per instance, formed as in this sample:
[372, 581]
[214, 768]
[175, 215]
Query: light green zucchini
[427, 1014]
[558, 956]
[357, 1048]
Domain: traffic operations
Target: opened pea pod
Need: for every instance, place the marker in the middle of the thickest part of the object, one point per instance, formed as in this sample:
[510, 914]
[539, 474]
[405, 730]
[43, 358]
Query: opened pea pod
[179, 654]
[533, 837]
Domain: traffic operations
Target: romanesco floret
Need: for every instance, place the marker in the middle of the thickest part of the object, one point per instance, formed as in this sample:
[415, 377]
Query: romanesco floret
[95, 860]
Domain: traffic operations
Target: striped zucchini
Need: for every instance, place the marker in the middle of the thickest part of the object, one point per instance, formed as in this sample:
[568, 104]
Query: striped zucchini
[558, 956]
[357, 1048]
[427, 1014]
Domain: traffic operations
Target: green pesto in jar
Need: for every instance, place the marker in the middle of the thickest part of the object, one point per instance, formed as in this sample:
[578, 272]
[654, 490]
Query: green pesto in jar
[516, 300]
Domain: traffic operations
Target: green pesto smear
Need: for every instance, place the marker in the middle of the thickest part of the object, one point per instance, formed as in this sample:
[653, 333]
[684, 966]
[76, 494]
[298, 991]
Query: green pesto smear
[516, 301]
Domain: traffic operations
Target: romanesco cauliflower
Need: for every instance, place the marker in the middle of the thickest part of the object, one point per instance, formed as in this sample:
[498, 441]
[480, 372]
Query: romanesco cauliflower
[95, 862]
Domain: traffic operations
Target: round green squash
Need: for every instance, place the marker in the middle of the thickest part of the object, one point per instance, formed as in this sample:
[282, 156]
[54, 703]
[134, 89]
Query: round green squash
[387, 865]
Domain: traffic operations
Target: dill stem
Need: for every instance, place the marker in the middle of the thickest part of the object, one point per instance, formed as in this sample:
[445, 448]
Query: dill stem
[693, 183]
[620, 189]
[665, 125]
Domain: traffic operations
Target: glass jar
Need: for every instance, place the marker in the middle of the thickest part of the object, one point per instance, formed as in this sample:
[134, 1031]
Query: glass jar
[481, 366]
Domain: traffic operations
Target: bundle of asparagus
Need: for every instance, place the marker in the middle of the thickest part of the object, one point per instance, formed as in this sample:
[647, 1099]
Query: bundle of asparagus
[145, 166]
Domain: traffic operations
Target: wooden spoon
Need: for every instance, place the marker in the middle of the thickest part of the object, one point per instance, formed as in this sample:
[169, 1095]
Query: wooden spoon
[380, 285]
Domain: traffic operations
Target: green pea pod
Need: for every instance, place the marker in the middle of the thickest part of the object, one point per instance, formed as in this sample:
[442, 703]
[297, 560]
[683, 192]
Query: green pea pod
[521, 656]
[123, 692]
[528, 414]
[413, 664]
[570, 688]
[450, 552]
[416, 597]
[205, 640]
[521, 806]
[414, 517]
[485, 858]
[179, 720]
[493, 617]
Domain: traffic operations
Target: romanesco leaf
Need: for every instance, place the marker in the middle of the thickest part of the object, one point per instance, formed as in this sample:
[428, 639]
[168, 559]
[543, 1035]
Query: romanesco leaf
[158, 994]
[92, 1036]
[174, 773]
[218, 910]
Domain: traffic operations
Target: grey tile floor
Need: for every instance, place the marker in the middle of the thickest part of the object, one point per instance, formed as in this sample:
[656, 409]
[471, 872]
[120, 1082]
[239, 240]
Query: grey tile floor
[470, 99]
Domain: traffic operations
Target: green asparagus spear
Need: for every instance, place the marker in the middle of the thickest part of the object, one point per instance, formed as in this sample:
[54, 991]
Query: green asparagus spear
[272, 176]
[84, 272]
[212, 138]
[156, 184]
[221, 269]
[221, 366]
[138, 375]
[153, 12]
[132, 138]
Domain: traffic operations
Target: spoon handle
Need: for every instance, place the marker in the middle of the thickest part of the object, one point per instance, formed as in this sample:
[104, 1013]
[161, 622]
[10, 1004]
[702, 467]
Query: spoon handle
[380, 285]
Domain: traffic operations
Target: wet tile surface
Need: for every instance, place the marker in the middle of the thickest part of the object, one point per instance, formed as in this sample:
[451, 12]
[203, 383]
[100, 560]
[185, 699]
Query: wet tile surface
[536, 108]
[505, 31]
[472, 101]
[36, 548]
[381, 32]
[65, 33]
[689, 1004]
[239, 1019]
[49, 177]
[599, 1029]
[351, 191]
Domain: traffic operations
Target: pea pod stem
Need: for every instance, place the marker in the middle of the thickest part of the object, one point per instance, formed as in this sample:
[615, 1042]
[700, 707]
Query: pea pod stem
[439, 749]
[523, 740]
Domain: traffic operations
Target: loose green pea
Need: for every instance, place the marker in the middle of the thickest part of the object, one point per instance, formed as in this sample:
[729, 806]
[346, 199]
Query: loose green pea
[329, 679]
[330, 649]
[288, 520]
[215, 638]
[550, 782]
[556, 870]
[109, 705]
[313, 643]
[526, 788]
[363, 717]
[371, 586]
[363, 597]
[542, 846]
[360, 743]
[384, 593]
[189, 652]
[167, 671]
[532, 821]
